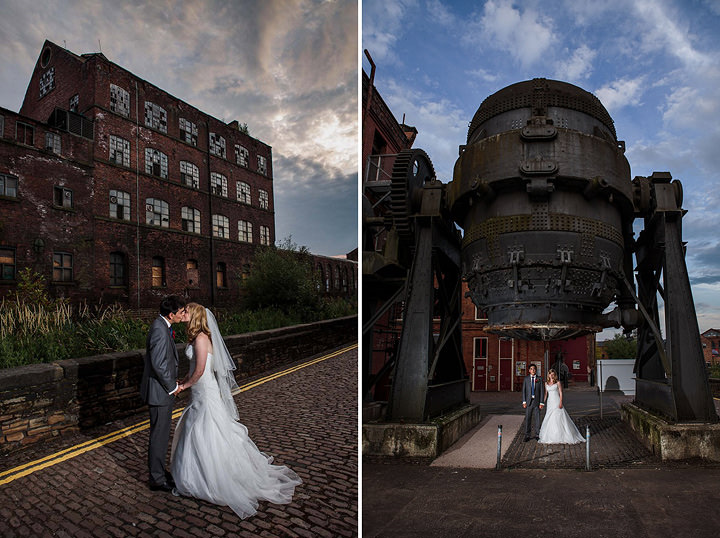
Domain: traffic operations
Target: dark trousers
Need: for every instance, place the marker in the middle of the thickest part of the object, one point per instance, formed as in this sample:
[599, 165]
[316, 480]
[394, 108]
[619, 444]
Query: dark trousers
[532, 417]
[160, 419]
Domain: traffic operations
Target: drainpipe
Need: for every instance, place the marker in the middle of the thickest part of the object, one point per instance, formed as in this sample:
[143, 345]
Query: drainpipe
[213, 274]
[137, 192]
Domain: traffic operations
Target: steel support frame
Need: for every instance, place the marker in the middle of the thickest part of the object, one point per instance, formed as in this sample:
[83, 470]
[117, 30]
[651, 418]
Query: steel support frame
[676, 387]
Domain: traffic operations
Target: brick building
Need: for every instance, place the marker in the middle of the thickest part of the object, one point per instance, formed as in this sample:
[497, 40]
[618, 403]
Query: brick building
[118, 191]
[710, 340]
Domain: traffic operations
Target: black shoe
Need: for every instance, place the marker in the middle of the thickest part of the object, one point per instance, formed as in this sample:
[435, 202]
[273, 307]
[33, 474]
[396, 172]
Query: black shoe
[161, 487]
[169, 479]
[526, 439]
[537, 437]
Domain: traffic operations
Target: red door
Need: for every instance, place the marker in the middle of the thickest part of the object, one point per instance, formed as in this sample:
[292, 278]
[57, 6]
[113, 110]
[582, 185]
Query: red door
[480, 378]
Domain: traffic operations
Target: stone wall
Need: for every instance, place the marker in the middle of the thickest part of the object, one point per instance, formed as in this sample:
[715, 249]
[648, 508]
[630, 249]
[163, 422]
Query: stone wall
[42, 401]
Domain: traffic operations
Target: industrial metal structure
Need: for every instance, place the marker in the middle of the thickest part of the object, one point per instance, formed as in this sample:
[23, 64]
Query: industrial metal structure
[542, 190]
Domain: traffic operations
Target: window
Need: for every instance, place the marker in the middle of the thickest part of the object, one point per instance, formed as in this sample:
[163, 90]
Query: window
[217, 145]
[221, 226]
[7, 263]
[157, 212]
[221, 275]
[336, 277]
[242, 156]
[119, 205]
[156, 163]
[188, 131]
[264, 199]
[262, 165]
[119, 151]
[47, 82]
[24, 133]
[2, 126]
[53, 142]
[243, 192]
[191, 219]
[118, 271]
[245, 231]
[480, 347]
[264, 235]
[62, 267]
[189, 175]
[193, 274]
[155, 117]
[74, 103]
[480, 315]
[119, 100]
[218, 184]
[158, 272]
[63, 197]
[8, 186]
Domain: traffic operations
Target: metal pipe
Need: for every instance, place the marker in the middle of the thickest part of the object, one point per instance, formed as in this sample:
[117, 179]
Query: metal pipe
[600, 386]
[499, 446]
[587, 447]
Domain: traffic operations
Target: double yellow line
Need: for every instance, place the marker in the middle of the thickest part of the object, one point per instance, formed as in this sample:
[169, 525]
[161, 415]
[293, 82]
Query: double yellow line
[48, 461]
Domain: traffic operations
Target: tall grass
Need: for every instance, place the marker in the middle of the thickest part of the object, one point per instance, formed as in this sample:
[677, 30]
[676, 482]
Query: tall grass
[54, 330]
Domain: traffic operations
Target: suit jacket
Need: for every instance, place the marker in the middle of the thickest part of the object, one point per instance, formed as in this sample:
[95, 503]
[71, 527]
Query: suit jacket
[539, 389]
[161, 365]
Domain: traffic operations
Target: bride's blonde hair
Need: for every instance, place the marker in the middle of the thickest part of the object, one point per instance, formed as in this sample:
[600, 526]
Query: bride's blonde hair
[198, 322]
[552, 376]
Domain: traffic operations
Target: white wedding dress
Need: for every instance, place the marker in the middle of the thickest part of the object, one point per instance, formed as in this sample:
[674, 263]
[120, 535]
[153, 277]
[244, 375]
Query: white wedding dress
[557, 426]
[214, 459]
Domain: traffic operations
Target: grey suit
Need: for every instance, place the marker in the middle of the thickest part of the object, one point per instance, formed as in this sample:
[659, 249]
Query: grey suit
[158, 379]
[532, 411]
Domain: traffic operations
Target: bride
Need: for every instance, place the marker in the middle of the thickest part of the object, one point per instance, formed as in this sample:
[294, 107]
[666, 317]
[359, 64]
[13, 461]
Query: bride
[212, 456]
[557, 427]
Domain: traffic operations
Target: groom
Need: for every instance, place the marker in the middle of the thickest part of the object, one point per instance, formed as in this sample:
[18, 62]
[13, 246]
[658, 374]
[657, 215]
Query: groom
[533, 394]
[159, 387]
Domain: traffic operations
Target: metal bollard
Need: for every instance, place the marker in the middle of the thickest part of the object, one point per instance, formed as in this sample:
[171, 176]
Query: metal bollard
[497, 465]
[587, 447]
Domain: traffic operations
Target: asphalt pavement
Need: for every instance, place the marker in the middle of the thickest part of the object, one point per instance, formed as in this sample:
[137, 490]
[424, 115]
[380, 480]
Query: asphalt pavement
[542, 490]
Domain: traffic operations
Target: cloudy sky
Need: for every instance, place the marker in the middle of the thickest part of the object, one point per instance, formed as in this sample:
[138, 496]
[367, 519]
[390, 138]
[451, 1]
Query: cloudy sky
[286, 68]
[654, 64]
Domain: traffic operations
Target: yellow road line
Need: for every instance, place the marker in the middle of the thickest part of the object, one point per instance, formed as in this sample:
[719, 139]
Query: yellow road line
[28, 468]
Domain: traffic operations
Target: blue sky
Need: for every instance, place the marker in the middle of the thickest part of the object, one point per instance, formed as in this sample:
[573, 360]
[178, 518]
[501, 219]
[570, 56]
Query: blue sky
[287, 68]
[654, 64]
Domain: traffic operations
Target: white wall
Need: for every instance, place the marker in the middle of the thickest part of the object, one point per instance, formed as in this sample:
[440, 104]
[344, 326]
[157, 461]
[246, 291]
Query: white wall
[617, 374]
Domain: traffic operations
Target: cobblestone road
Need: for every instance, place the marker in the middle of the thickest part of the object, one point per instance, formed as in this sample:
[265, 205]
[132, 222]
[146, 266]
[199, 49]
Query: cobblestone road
[306, 419]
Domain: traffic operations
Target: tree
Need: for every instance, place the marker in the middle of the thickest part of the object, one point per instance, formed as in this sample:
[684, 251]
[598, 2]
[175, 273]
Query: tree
[283, 277]
[621, 347]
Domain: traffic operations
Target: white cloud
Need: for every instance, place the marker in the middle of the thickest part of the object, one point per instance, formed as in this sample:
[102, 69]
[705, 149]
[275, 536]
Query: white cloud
[380, 36]
[441, 125]
[578, 67]
[621, 93]
[439, 13]
[663, 32]
[525, 35]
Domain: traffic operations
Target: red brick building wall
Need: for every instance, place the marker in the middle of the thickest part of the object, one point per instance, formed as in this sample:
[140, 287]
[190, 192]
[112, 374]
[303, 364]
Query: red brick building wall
[91, 168]
[710, 340]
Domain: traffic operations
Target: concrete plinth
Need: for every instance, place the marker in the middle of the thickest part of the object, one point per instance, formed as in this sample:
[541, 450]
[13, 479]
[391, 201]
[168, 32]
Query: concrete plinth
[670, 441]
[426, 440]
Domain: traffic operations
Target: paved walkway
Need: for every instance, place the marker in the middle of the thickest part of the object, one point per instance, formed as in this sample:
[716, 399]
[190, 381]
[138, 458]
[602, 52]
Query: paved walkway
[542, 490]
[95, 483]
